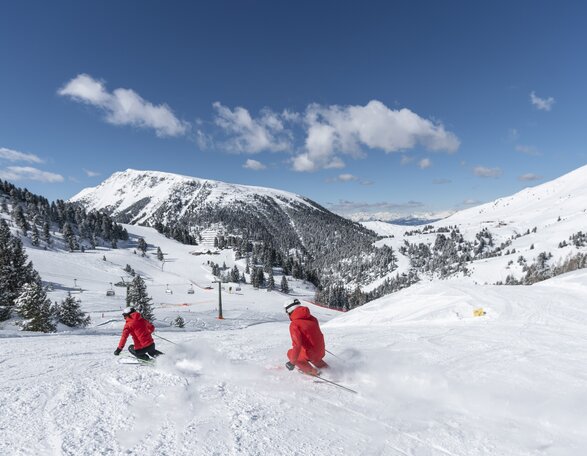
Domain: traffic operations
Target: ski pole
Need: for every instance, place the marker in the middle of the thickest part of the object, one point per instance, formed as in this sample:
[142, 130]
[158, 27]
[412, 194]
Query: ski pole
[165, 339]
[332, 354]
[334, 383]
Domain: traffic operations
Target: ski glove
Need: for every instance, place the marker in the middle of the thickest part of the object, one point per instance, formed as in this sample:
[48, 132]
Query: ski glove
[289, 366]
[117, 351]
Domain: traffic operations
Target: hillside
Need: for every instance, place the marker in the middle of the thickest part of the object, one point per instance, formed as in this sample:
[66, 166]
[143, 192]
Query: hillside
[432, 379]
[521, 238]
[322, 247]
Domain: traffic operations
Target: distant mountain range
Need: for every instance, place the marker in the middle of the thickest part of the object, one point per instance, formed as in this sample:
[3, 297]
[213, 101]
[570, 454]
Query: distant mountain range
[536, 233]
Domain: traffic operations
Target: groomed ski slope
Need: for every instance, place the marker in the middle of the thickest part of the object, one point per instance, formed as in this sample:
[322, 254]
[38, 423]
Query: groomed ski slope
[432, 379]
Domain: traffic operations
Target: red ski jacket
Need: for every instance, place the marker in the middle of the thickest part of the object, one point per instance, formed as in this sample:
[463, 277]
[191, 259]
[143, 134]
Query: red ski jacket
[140, 330]
[305, 334]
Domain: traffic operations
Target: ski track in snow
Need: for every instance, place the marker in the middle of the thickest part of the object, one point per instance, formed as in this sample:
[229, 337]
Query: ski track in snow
[432, 380]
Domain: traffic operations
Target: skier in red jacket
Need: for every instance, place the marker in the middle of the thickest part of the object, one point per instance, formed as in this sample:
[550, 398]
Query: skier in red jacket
[140, 330]
[307, 340]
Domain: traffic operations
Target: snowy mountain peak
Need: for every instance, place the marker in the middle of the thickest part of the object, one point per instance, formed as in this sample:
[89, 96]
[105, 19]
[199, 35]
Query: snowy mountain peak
[136, 196]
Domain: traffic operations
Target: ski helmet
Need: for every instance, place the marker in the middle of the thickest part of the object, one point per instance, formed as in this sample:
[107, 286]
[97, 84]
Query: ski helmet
[290, 306]
[127, 311]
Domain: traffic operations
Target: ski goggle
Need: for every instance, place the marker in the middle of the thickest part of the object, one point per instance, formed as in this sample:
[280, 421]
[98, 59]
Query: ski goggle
[293, 304]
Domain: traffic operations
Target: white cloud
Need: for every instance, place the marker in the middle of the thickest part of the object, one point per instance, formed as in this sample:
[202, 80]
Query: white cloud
[203, 140]
[347, 177]
[425, 163]
[17, 173]
[90, 173]
[483, 171]
[333, 130]
[343, 178]
[470, 202]
[528, 150]
[384, 210]
[529, 177]
[124, 106]
[254, 165]
[249, 135]
[441, 181]
[14, 155]
[542, 104]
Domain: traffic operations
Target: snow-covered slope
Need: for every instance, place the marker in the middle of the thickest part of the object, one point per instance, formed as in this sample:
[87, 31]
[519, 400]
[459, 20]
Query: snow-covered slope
[431, 378]
[564, 196]
[534, 220]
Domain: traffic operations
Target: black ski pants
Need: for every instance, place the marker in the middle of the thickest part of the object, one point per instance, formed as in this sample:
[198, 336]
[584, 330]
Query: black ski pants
[143, 352]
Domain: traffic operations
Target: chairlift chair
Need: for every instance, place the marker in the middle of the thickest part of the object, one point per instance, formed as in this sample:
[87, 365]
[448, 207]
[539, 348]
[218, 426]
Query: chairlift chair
[110, 292]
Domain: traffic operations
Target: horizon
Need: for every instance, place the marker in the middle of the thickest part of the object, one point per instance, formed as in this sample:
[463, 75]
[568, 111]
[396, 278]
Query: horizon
[392, 109]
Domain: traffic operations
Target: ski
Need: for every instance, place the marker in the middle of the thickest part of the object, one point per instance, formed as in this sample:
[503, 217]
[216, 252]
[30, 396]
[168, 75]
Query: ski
[320, 378]
[141, 362]
[335, 384]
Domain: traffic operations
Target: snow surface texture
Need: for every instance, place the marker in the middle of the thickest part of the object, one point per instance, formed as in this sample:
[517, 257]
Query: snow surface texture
[432, 379]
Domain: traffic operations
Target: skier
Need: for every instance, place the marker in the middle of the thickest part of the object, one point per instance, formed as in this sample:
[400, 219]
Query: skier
[307, 339]
[140, 330]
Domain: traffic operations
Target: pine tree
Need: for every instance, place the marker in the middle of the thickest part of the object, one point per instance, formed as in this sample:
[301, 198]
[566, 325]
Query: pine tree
[270, 282]
[261, 277]
[70, 314]
[20, 220]
[179, 322]
[35, 236]
[234, 274]
[138, 298]
[255, 279]
[46, 233]
[142, 245]
[35, 308]
[15, 270]
[68, 235]
[159, 254]
[284, 285]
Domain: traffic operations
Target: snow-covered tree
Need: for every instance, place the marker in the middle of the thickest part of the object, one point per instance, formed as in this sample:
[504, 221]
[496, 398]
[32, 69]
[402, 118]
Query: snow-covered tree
[142, 245]
[137, 297]
[20, 219]
[35, 308]
[46, 233]
[35, 236]
[69, 236]
[284, 285]
[179, 322]
[15, 270]
[234, 274]
[159, 254]
[260, 277]
[70, 314]
[270, 281]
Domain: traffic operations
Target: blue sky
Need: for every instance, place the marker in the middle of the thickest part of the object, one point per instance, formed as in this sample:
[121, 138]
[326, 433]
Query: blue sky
[373, 107]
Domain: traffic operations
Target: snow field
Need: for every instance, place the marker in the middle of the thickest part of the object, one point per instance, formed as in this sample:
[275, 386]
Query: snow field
[432, 379]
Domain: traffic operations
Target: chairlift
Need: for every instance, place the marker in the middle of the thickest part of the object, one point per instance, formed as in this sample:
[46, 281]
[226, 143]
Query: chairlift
[168, 290]
[191, 289]
[110, 292]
